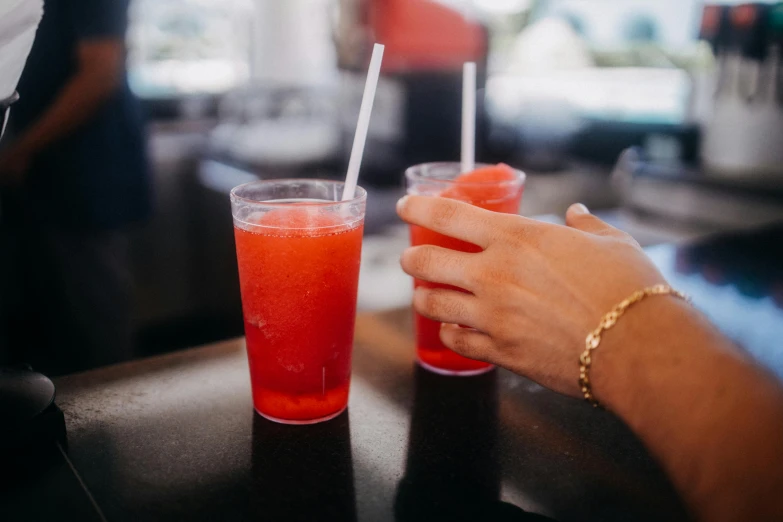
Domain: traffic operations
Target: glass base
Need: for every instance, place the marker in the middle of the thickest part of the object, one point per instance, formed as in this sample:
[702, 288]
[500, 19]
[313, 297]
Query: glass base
[453, 373]
[295, 422]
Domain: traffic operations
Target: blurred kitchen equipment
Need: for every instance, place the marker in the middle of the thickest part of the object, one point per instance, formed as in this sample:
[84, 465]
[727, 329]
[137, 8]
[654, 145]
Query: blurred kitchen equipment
[278, 130]
[683, 194]
[744, 135]
[292, 50]
[739, 181]
[561, 98]
[300, 110]
[417, 111]
[287, 119]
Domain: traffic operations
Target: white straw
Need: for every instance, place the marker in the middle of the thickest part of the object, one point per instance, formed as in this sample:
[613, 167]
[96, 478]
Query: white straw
[468, 117]
[359, 140]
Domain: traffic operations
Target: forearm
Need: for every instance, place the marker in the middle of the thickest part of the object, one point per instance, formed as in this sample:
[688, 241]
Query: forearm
[78, 101]
[710, 416]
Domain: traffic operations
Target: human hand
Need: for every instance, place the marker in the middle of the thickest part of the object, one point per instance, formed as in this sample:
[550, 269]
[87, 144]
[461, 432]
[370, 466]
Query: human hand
[536, 290]
[14, 164]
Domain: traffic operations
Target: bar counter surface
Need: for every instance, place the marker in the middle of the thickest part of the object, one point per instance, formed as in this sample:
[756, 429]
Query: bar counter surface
[175, 437]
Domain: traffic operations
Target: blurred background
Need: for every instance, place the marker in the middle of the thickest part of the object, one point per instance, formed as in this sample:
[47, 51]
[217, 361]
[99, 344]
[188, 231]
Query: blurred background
[662, 116]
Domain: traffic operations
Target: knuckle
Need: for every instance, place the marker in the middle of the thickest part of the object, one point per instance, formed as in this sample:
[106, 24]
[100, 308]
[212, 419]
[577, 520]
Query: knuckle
[443, 213]
[628, 238]
[456, 267]
[471, 345]
[486, 277]
[427, 302]
[476, 278]
[502, 320]
[439, 304]
[452, 307]
[516, 232]
[588, 221]
[419, 260]
[461, 343]
[498, 321]
[602, 229]
[495, 227]
[623, 237]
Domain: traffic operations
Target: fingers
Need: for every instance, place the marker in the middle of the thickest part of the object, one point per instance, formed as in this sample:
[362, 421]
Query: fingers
[446, 306]
[468, 343]
[579, 217]
[450, 217]
[438, 265]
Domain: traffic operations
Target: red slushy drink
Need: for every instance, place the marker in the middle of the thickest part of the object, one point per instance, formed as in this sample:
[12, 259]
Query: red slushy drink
[298, 258]
[498, 188]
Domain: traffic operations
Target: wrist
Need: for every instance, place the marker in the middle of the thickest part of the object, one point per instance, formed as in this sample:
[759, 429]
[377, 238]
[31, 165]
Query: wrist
[700, 405]
[645, 340]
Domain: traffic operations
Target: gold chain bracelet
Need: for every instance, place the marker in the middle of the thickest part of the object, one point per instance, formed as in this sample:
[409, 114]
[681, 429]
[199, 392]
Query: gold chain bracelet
[609, 320]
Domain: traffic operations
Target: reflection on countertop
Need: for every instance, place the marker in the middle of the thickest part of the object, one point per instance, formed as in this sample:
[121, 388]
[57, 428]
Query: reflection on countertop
[737, 281]
[303, 474]
[452, 471]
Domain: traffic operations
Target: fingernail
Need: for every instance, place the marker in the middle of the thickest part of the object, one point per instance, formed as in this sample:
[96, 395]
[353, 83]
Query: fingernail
[401, 203]
[581, 209]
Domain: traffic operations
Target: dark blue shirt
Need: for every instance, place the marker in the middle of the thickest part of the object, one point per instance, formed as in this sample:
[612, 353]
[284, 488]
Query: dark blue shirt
[97, 176]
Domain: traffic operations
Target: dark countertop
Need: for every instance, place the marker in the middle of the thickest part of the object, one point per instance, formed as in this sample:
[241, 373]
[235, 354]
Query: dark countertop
[175, 438]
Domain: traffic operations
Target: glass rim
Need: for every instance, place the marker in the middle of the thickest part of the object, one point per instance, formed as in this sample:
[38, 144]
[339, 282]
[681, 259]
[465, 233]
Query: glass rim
[359, 195]
[412, 175]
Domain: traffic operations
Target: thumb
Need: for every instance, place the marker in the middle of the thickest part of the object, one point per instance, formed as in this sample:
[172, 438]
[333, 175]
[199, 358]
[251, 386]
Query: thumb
[579, 217]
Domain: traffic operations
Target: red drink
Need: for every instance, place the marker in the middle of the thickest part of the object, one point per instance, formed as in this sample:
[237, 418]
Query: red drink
[299, 273]
[494, 188]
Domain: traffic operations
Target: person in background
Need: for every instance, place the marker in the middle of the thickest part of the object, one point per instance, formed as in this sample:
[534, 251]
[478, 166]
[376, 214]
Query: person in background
[703, 407]
[73, 178]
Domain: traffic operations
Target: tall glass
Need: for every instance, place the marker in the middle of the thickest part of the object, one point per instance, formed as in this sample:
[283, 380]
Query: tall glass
[298, 250]
[440, 179]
